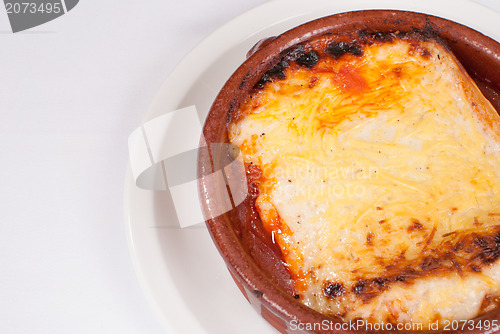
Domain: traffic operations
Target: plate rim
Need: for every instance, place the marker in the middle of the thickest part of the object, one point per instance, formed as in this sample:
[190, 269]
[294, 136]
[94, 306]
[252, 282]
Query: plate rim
[159, 98]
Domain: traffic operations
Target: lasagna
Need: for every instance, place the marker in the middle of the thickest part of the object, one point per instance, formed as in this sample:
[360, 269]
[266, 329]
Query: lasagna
[375, 161]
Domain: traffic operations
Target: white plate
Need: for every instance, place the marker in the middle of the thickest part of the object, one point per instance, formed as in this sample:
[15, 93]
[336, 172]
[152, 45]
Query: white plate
[179, 269]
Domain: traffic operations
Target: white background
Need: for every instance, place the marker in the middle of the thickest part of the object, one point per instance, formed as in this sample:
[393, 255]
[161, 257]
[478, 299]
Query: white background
[71, 91]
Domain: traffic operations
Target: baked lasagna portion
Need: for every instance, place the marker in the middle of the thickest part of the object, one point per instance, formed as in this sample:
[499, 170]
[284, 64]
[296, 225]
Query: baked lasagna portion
[376, 161]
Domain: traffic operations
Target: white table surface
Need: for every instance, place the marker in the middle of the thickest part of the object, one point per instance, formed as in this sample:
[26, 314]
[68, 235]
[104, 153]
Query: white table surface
[71, 92]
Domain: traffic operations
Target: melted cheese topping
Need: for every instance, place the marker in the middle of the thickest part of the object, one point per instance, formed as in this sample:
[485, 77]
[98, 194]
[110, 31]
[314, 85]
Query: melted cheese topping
[373, 165]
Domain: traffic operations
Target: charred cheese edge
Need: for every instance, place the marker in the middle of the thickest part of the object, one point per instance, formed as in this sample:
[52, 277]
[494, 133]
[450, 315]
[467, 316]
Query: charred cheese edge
[378, 178]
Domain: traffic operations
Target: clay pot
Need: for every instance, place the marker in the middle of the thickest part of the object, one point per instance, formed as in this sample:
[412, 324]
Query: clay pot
[254, 263]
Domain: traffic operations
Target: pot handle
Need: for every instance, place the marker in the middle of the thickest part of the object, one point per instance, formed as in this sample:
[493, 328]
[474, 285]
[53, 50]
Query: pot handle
[259, 45]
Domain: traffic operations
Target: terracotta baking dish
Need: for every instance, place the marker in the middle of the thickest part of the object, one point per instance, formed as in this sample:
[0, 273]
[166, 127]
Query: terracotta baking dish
[256, 265]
